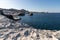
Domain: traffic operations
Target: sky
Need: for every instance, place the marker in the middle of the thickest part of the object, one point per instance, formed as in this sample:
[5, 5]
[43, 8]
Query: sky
[32, 5]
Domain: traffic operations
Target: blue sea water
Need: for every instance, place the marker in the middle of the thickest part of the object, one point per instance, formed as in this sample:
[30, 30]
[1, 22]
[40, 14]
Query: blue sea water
[50, 21]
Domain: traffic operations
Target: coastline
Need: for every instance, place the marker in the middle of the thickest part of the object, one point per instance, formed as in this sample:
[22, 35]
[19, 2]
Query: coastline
[10, 30]
[14, 30]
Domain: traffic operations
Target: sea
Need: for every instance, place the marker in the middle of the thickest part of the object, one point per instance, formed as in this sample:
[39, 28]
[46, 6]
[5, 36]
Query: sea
[47, 21]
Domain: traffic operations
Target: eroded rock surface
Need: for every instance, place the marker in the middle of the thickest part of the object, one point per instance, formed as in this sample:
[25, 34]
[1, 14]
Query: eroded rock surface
[11, 30]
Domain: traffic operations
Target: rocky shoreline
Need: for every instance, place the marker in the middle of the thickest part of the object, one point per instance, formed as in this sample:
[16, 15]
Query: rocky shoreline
[14, 30]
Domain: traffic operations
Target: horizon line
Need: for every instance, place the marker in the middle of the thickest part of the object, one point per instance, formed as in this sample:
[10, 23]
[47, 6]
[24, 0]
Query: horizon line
[30, 10]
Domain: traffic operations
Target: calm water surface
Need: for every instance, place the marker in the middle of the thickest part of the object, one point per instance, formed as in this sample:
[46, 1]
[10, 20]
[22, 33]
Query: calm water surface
[43, 21]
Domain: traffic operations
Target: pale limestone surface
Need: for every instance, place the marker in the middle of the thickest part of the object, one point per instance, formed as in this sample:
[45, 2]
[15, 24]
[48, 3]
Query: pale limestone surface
[10, 30]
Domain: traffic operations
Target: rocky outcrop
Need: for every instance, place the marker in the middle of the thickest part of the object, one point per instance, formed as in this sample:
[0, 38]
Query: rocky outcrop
[14, 12]
[31, 13]
[10, 16]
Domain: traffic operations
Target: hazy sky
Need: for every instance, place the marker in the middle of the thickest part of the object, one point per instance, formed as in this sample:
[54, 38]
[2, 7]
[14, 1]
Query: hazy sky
[33, 5]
